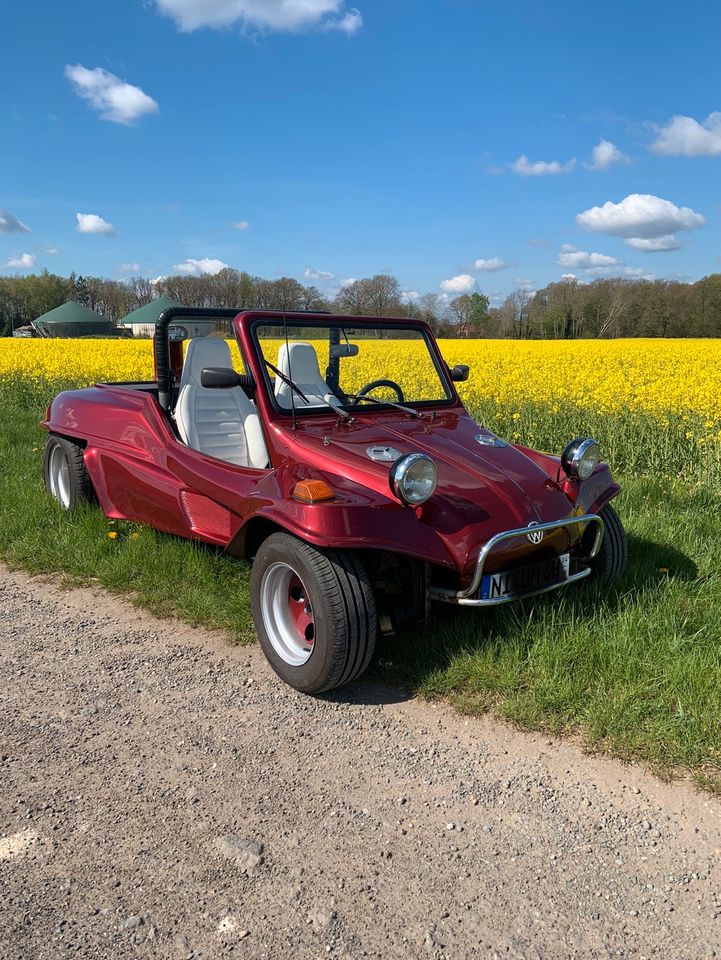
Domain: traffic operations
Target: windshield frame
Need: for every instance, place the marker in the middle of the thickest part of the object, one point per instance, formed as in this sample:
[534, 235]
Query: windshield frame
[343, 323]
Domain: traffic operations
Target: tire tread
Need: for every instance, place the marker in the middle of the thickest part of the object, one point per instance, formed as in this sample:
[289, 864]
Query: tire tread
[348, 602]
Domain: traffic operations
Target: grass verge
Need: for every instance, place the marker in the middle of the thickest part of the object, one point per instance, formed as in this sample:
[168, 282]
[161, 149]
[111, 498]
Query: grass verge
[635, 671]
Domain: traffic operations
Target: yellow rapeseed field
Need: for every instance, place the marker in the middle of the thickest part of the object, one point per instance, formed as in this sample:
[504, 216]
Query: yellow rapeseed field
[655, 377]
[628, 391]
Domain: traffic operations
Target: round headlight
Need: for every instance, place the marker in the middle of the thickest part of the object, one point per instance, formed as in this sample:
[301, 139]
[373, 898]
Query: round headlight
[580, 458]
[413, 478]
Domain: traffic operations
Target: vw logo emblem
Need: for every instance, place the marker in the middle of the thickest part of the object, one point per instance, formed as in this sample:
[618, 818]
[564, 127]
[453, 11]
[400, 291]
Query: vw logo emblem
[536, 536]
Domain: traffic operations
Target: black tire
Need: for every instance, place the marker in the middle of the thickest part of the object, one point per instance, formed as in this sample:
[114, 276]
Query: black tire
[76, 487]
[341, 604]
[610, 561]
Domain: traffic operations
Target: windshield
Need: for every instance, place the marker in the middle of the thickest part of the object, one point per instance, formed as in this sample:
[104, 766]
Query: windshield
[352, 367]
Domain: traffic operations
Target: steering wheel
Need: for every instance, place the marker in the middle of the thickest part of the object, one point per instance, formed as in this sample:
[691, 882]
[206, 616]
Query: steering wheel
[379, 383]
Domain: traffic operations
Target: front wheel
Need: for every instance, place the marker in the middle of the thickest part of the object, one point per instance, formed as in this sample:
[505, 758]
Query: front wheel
[610, 561]
[314, 613]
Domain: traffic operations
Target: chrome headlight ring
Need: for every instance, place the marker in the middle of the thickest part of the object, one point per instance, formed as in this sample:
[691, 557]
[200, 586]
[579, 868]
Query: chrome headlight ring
[413, 478]
[580, 458]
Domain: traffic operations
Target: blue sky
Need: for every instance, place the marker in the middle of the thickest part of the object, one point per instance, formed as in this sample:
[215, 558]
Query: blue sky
[449, 142]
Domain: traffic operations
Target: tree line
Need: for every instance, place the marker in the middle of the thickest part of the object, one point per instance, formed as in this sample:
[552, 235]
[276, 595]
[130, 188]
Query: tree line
[568, 309]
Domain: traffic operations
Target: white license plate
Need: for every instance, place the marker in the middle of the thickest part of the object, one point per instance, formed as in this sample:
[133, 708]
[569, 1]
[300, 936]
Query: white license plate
[516, 583]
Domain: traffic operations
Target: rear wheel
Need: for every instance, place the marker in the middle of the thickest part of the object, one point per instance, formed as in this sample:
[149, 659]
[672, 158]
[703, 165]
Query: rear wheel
[610, 561]
[66, 477]
[314, 613]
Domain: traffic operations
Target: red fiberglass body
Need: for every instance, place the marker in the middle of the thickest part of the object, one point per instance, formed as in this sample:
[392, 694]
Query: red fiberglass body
[142, 471]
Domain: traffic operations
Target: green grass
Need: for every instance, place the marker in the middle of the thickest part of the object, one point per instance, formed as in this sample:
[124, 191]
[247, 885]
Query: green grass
[635, 671]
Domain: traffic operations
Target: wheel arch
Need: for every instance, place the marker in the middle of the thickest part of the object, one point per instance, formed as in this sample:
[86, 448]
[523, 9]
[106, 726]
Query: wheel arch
[246, 542]
[78, 441]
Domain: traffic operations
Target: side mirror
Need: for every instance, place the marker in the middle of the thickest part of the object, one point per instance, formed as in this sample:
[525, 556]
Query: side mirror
[219, 378]
[460, 373]
[177, 333]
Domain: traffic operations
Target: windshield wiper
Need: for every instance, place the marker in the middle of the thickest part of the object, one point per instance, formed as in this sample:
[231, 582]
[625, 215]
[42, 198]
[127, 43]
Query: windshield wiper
[329, 399]
[287, 381]
[385, 403]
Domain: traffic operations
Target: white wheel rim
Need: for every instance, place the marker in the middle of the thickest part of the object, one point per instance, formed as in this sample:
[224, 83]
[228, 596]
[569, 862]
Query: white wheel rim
[59, 476]
[287, 614]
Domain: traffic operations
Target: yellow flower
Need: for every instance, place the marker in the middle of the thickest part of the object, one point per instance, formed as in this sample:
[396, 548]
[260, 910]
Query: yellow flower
[112, 535]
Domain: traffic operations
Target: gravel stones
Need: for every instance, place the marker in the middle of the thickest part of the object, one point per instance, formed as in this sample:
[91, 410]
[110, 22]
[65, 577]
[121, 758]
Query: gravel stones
[244, 853]
[195, 815]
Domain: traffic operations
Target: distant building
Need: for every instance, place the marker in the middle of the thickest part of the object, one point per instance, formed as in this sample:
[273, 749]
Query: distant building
[142, 321]
[72, 320]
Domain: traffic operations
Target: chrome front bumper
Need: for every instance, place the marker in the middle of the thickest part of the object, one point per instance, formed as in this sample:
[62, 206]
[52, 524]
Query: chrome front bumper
[469, 597]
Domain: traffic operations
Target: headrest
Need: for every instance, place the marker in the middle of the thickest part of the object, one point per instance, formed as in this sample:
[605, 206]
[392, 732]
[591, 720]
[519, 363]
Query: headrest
[300, 363]
[204, 352]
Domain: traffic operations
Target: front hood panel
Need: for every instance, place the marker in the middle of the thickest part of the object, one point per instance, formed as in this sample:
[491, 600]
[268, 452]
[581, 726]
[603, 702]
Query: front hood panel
[481, 489]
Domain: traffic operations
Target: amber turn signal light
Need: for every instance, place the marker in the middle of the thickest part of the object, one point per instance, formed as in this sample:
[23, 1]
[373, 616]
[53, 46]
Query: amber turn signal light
[312, 491]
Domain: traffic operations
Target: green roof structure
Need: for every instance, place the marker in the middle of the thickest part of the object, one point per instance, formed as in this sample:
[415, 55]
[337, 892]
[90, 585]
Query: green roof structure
[72, 320]
[151, 311]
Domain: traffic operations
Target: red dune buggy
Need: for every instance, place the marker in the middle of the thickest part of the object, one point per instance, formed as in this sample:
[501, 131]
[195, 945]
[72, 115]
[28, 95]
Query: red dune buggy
[359, 503]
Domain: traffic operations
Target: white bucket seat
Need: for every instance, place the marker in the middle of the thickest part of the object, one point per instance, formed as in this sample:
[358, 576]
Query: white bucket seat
[221, 423]
[300, 362]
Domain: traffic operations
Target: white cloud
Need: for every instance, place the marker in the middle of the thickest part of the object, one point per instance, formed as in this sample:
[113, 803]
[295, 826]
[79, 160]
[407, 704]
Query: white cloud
[287, 15]
[116, 100]
[605, 155]
[310, 273]
[410, 295]
[51, 251]
[199, 268]
[641, 217]
[541, 168]
[349, 23]
[11, 224]
[596, 265]
[129, 268]
[491, 265]
[567, 277]
[348, 281]
[637, 273]
[92, 223]
[241, 225]
[524, 283]
[463, 283]
[23, 262]
[582, 260]
[655, 244]
[687, 137]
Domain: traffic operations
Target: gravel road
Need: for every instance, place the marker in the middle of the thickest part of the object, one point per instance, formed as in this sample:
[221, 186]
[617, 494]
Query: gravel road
[163, 795]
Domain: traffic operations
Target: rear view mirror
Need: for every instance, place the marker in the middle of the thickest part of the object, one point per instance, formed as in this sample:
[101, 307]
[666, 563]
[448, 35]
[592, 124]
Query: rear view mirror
[339, 350]
[460, 373]
[218, 378]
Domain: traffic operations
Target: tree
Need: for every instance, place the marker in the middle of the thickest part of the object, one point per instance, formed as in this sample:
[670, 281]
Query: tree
[469, 313]
[379, 296]
[354, 299]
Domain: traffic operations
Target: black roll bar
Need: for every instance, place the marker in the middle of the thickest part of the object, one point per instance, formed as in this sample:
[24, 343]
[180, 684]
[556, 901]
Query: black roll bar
[162, 350]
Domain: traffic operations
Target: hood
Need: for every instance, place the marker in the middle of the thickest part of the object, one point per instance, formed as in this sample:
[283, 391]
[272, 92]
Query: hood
[490, 488]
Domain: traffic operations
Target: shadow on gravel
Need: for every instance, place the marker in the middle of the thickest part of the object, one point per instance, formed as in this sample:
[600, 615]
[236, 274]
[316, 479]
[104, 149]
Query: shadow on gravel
[369, 692]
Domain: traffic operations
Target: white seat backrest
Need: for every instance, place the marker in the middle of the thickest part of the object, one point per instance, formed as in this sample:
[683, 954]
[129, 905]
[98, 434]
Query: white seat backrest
[300, 362]
[221, 423]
